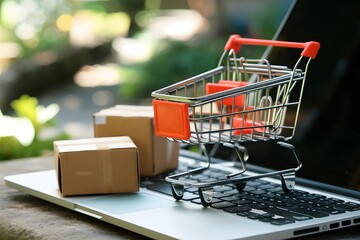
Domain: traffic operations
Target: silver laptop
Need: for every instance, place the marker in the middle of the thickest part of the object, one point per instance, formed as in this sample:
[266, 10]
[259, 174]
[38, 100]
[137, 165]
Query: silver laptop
[325, 198]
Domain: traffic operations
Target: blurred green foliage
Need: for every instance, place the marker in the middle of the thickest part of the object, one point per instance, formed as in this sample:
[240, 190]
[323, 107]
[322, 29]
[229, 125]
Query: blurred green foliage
[25, 140]
[32, 24]
[174, 61]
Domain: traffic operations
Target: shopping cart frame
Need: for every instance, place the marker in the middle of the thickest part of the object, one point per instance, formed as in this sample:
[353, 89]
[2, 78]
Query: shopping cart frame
[177, 97]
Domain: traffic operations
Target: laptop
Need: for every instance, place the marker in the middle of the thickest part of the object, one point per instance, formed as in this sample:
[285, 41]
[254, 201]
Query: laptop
[326, 195]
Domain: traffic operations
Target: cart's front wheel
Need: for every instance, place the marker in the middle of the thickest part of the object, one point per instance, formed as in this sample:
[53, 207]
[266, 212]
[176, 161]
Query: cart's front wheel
[206, 196]
[288, 181]
[240, 186]
[177, 191]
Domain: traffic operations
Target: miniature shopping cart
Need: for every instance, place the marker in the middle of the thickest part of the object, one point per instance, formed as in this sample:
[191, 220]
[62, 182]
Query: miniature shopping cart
[241, 100]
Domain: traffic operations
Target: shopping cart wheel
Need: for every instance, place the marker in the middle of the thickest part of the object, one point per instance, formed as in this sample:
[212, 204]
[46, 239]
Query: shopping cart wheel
[288, 181]
[240, 186]
[206, 196]
[177, 191]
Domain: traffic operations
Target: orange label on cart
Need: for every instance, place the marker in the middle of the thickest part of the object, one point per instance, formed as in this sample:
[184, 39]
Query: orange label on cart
[171, 119]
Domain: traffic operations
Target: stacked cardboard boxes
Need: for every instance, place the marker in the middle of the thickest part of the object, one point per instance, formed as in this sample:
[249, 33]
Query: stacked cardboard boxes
[124, 148]
[156, 154]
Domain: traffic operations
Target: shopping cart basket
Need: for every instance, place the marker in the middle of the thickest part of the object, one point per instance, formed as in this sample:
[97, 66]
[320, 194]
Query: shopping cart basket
[241, 100]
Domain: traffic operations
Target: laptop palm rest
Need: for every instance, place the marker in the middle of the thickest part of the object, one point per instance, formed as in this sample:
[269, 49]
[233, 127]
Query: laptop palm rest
[142, 212]
[126, 203]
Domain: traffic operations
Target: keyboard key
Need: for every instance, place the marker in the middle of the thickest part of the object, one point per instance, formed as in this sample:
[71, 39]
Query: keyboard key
[310, 197]
[253, 184]
[259, 206]
[336, 200]
[237, 209]
[348, 206]
[265, 187]
[220, 194]
[222, 188]
[309, 212]
[275, 190]
[241, 201]
[216, 200]
[189, 196]
[266, 219]
[262, 182]
[248, 189]
[192, 189]
[217, 175]
[298, 192]
[325, 202]
[267, 215]
[254, 216]
[232, 192]
[208, 180]
[258, 192]
[221, 205]
[243, 214]
[199, 177]
[330, 210]
[287, 214]
[281, 221]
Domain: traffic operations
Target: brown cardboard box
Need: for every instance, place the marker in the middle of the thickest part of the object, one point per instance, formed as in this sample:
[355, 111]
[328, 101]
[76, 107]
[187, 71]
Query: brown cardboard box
[156, 154]
[96, 166]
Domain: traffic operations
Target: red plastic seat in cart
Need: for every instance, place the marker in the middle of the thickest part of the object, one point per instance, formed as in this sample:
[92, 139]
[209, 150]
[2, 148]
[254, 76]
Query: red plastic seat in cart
[242, 100]
[223, 85]
[247, 125]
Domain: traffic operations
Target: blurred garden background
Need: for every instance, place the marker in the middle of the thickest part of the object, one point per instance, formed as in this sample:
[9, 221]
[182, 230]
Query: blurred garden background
[62, 60]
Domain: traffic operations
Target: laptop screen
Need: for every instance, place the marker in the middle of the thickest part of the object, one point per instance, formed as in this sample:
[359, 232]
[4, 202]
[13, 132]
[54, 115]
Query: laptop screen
[254, 19]
[326, 135]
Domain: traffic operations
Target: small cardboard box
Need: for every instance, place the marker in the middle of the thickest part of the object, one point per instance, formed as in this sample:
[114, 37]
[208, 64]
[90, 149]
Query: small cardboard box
[96, 166]
[156, 154]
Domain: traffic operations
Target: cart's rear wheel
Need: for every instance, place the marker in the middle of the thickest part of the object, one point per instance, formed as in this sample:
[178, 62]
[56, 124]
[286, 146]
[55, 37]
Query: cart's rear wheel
[288, 182]
[206, 196]
[177, 191]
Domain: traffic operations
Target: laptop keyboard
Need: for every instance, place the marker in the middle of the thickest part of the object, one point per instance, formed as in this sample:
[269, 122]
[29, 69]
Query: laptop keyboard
[259, 200]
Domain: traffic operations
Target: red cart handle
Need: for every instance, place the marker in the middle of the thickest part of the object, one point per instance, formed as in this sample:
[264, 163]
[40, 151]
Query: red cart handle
[310, 48]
